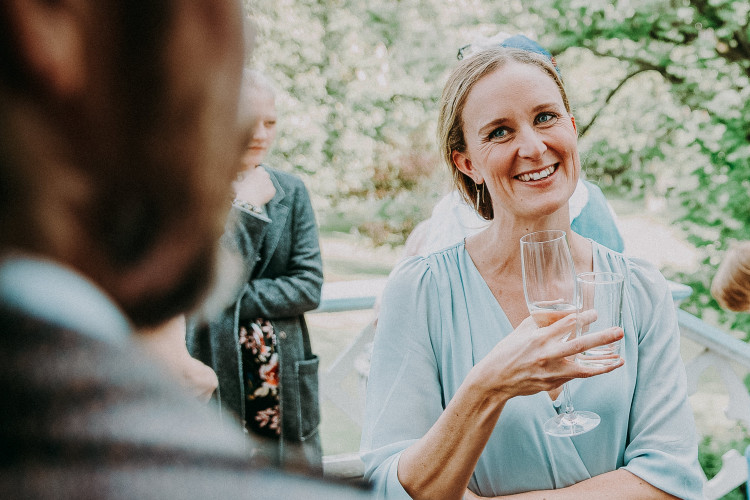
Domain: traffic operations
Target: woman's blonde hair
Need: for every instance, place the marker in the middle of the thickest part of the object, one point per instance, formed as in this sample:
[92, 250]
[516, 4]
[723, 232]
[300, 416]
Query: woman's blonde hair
[450, 122]
[731, 283]
[253, 81]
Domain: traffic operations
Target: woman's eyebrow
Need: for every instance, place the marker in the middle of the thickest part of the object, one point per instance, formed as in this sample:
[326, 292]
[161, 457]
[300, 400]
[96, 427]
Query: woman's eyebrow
[546, 105]
[492, 125]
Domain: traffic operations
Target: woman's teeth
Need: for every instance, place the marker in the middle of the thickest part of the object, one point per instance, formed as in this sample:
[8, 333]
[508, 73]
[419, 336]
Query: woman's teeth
[542, 174]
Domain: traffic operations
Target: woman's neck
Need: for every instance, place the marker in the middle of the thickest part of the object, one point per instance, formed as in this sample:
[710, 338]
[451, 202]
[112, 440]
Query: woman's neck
[498, 248]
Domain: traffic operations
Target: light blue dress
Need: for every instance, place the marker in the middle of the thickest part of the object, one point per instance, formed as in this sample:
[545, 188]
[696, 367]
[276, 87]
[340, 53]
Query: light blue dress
[439, 318]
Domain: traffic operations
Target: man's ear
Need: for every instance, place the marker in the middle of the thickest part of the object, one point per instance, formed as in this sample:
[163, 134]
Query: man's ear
[463, 163]
[50, 38]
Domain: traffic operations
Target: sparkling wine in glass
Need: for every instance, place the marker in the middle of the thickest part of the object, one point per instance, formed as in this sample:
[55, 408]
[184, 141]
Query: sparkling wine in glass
[549, 285]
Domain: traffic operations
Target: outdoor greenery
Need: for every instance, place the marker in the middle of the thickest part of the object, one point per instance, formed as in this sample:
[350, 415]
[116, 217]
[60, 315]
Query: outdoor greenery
[709, 456]
[660, 89]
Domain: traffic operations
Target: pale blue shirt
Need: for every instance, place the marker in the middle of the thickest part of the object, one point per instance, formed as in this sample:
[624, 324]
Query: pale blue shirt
[438, 319]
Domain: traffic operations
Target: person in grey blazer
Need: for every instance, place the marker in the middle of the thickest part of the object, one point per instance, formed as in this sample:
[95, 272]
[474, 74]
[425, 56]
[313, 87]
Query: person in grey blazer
[260, 346]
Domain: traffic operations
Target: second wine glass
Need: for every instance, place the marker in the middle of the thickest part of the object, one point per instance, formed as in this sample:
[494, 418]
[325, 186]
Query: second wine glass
[549, 285]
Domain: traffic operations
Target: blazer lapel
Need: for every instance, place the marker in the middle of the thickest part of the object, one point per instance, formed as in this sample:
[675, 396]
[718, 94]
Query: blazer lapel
[278, 211]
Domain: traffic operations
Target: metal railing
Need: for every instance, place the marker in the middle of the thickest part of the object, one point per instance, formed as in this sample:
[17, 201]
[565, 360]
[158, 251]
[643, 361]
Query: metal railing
[719, 350]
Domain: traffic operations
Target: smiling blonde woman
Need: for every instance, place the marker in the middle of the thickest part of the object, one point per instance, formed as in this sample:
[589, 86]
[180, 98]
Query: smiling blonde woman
[461, 381]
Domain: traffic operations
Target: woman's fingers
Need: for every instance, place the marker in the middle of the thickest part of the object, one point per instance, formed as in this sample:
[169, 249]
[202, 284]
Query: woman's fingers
[567, 350]
[590, 371]
[534, 359]
[585, 318]
[590, 340]
[562, 328]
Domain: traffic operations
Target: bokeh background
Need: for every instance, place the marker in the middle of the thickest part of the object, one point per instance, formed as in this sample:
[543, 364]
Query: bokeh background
[660, 91]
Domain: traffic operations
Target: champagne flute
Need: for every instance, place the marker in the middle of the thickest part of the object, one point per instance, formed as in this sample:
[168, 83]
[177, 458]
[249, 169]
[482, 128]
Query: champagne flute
[550, 289]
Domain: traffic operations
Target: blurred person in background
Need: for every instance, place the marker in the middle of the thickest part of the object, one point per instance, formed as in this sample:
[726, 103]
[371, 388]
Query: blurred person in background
[731, 284]
[119, 139]
[260, 346]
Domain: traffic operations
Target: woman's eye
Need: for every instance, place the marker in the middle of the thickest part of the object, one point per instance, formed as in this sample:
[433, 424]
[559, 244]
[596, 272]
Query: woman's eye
[499, 133]
[546, 117]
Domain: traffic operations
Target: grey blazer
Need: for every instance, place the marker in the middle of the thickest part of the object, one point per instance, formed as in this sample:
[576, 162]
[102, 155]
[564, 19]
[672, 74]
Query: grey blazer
[285, 281]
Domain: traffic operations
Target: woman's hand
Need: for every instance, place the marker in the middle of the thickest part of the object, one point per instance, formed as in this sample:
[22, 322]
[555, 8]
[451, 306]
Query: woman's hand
[166, 344]
[199, 379]
[532, 359]
[254, 186]
[529, 360]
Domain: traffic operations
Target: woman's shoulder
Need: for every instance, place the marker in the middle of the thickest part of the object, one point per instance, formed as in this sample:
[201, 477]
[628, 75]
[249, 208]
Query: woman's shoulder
[286, 179]
[408, 269]
[639, 273]
[435, 262]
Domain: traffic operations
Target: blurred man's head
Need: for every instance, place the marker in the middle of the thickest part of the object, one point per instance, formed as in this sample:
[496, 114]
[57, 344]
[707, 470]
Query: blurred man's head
[119, 140]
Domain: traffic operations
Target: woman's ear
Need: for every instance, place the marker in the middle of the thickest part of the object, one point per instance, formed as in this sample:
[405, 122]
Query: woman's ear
[464, 165]
[573, 121]
[51, 41]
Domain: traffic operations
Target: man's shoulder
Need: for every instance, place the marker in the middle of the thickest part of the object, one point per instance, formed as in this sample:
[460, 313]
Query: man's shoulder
[71, 395]
[82, 417]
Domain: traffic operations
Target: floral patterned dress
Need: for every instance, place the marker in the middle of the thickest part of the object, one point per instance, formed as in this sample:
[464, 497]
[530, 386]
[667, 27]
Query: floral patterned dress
[260, 366]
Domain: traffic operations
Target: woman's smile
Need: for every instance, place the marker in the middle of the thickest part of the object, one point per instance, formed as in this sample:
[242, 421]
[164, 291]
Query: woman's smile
[538, 174]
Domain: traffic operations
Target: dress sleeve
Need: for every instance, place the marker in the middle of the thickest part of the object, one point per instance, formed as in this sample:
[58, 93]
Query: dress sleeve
[662, 446]
[404, 395]
[298, 289]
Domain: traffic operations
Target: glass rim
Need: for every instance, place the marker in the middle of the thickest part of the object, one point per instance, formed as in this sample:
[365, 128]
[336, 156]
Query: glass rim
[607, 277]
[535, 236]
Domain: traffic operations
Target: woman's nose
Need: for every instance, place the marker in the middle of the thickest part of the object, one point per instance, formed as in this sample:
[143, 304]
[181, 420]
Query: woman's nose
[530, 144]
[260, 132]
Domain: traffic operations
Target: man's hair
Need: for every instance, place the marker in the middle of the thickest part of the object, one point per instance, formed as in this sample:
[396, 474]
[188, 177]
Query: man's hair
[134, 32]
[136, 187]
[138, 27]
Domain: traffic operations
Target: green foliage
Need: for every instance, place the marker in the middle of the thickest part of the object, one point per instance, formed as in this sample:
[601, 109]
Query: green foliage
[709, 456]
[660, 89]
[700, 50]
[360, 83]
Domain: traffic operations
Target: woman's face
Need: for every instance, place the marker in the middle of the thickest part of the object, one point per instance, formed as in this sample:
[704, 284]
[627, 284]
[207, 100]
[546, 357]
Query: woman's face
[262, 129]
[521, 141]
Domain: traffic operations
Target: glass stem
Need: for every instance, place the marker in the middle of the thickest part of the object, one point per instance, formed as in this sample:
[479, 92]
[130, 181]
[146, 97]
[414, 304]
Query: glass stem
[567, 404]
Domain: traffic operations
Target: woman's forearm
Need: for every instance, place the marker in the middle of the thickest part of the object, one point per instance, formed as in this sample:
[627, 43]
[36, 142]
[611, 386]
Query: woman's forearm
[527, 361]
[441, 463]
[281, 297]
[616, 484]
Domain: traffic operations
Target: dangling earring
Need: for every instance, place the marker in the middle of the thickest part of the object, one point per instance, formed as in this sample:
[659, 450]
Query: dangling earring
[478, 196]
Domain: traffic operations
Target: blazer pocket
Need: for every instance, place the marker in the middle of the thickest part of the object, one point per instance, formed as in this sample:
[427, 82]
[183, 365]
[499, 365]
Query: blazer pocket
[308, 406]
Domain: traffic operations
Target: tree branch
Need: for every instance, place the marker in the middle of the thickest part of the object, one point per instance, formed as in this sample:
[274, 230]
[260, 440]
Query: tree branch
[642, 64]
[609, 97]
